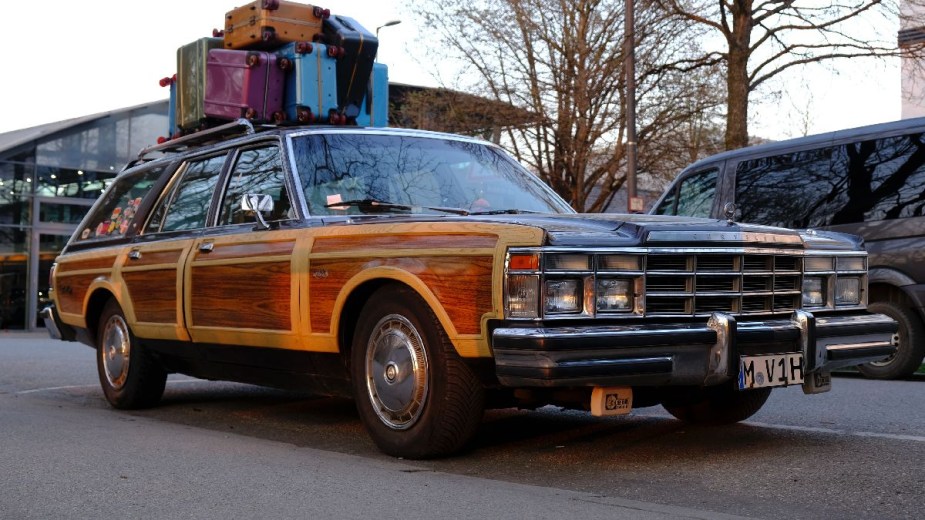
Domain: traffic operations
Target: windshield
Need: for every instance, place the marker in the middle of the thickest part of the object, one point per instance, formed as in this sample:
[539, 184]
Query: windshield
[409, 174]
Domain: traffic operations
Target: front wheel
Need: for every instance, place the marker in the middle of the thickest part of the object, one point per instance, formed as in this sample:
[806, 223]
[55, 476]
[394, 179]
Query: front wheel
[129, 375]
[716, 405]
[415, 395]
[911, 344]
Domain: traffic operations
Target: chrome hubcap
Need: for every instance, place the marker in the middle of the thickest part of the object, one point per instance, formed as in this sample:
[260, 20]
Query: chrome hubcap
[116, 351]
[884, 362]
[396, 372]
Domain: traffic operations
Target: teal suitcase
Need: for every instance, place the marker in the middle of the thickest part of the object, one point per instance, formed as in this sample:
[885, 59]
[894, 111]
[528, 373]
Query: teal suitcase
[374, 111]
[311, 83]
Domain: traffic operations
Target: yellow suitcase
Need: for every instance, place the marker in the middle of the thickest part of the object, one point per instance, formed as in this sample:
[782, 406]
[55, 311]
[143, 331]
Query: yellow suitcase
[268, 24]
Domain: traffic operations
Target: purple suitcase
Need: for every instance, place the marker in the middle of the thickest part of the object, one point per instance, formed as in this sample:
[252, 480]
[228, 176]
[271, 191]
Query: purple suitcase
[246, 84]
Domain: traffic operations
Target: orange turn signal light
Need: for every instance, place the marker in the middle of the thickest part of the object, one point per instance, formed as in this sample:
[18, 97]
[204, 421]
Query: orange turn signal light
[524, 262]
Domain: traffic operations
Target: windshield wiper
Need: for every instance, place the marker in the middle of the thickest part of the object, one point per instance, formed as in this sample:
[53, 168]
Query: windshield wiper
[509, 211]
[378, 206]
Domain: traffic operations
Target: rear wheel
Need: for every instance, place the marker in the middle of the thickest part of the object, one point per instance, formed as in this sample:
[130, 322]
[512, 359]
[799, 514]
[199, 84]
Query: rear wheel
[911, 344]
[416, 397]
[716, 405]
[129, 375]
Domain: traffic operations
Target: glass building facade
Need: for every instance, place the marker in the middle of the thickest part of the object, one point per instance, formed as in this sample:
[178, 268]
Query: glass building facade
[47, 184]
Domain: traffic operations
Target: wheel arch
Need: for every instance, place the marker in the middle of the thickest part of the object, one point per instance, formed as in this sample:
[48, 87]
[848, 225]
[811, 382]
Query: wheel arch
[884, 291]
[96, 302]
[358, 290]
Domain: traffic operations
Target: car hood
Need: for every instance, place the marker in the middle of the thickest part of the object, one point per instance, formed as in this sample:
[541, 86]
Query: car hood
[654, 230]
[623, 230]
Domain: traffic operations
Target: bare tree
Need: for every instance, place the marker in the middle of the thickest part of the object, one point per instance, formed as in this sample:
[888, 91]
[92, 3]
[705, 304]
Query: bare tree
[560, 64]
[764, 38]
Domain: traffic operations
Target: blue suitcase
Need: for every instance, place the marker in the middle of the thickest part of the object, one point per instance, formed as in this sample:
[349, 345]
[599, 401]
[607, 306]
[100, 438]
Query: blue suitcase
[375, 108]
[311, 82]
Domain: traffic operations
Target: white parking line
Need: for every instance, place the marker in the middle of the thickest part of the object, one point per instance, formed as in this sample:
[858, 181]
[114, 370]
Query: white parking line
[832, 431]
[53, 388]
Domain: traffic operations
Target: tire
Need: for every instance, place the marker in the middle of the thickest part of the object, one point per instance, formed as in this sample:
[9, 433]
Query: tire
[414, 394]
[908, 357]
[129, 375]
[716, 405]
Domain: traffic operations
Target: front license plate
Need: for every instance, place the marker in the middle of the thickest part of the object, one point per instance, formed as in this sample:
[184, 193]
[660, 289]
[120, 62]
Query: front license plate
[770, 370]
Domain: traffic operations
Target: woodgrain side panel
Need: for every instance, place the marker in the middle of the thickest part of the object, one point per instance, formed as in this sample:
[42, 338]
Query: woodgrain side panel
[155, 258]
[153, 294]
[463, 286]
[247, 250]
[395, 241]
[246, 295]
[72, 290]
[66, 266]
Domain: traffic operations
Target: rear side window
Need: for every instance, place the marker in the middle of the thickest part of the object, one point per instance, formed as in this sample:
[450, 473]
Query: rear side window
[884, 179]
[187, 206]
[795, 190]
[863, 181]
[114, 215]
[692, 197]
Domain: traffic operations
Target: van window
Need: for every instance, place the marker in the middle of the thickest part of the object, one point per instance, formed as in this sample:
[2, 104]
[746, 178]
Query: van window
[693, 197]
[885, 179]
[795, 190]
[877, 179]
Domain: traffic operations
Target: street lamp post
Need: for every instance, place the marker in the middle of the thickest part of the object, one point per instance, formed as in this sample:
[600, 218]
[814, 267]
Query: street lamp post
[629, 53]
[386, 24]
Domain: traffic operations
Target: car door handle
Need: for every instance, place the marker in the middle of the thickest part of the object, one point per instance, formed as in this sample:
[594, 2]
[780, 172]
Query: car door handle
[134, 254]
[206, 247]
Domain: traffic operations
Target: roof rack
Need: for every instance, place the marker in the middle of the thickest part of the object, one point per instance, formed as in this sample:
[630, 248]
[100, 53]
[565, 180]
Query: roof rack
[209, 135]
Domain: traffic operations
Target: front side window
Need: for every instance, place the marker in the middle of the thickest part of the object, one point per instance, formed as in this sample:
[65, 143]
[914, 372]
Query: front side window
[114, 215]
[187, 206]
[257, 171]
[692, 196]
[350, 173]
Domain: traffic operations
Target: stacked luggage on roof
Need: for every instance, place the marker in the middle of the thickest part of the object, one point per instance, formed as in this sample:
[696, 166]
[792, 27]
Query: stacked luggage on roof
[278, 61]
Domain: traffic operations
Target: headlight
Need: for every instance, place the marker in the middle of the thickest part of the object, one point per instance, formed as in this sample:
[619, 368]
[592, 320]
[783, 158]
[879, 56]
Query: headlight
[813, 292]
[523, 296]
[614, 295]
[848, 291]
[563, 296]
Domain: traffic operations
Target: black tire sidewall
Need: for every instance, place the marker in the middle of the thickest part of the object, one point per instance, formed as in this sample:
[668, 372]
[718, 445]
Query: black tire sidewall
[145, 381]
[716, 405]
[908, 357]
[419, 439]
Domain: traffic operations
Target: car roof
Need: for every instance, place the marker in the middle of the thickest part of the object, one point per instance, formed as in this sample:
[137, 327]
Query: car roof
[243, 130]
[772, 148]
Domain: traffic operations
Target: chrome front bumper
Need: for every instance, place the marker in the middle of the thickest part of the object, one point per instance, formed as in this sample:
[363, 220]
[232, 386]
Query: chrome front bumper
[705, 353]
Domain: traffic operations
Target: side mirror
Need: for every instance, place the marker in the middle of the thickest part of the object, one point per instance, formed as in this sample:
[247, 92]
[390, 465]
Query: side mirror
[259, 204]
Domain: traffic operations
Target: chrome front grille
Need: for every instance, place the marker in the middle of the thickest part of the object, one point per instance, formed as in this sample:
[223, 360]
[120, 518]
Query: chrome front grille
[699, 284]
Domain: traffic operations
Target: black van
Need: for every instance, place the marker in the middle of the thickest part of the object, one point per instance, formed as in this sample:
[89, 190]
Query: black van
[867, 181]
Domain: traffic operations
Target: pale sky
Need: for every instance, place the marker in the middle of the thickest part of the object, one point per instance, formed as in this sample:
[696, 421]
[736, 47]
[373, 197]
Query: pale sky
[66, 58]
